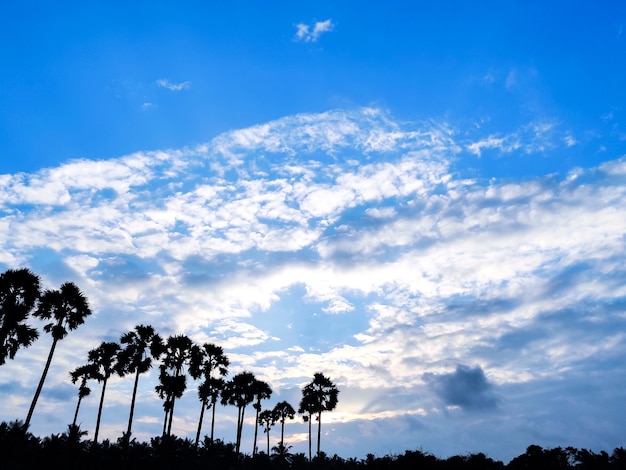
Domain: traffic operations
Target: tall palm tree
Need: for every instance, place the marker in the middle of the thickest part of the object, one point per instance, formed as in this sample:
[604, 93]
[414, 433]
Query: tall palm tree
[307, 408]
[262, 391]
[19, 292]
[318, 396]
[207, 361]
[209, 391]
[282, 411]
[140, 346]
[239, 392]
[177, 353]
[267, 419]
[83, 373]
[67, 308]
[103, 361]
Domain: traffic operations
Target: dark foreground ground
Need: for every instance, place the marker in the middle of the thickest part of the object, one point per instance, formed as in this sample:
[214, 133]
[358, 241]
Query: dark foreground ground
[19, 449]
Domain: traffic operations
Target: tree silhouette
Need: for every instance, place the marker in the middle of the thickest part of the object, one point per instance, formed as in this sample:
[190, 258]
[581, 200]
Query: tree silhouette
[318, 396]
[209, 391]
[307, 408]
[239, 392]
[67, 308]
[262, 391]
[173, 381]
[140, 346]
[83, 373]
[19, 291]
[267, 419]
[207, 361]
[102, 361]
[282, 411]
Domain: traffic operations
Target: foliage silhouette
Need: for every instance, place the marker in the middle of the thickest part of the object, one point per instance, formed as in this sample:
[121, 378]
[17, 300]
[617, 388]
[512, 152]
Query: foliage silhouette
[239, 392]
[266, 420]
[140, 346]
[319, 395]
[19, 449]
[84, 373]
[173, 382]
[281, 412]
[102, 360]
[19, 292]
[262, 391]
[206, 362]
[67, 308]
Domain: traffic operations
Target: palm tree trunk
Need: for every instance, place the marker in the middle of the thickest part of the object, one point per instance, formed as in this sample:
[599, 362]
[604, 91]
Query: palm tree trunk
[104, 387]
[41, 381]
[165, 419]
[76, 412]
[239, 428]
[310, 417]
[213, 419]
[319, 431]
[169, 424]
[132, 405]
[200, 423]
[256, 429]
[282, 432]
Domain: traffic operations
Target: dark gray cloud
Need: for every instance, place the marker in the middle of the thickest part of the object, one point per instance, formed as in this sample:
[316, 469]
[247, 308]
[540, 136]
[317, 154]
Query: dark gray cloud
[466, 387]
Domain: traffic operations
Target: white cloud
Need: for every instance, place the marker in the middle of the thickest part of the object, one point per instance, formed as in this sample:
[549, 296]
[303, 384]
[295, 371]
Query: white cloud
[344, 244]
[311, 33]
[172, 86]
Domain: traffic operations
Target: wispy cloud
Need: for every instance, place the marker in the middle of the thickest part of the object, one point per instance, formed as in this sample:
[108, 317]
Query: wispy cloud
[343, 242]
[164, 83]
[311, 33]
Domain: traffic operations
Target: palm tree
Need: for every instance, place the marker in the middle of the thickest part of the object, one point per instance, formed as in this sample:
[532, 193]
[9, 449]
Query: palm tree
[19, 291]
[209, 391]
[266, 421]
[103, 362]
[261, 391]
[239, 392]
[67, 308]
[83, 373]
[205, 361]
[176, 354]
[282, 411]
[318, 396]
[141, 346]
[307, 408]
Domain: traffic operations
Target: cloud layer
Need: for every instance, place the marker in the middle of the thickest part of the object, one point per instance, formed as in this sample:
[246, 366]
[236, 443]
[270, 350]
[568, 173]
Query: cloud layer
[347, 242]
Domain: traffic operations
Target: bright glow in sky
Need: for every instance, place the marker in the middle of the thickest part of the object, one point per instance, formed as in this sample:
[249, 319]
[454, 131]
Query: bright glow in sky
[425, 202]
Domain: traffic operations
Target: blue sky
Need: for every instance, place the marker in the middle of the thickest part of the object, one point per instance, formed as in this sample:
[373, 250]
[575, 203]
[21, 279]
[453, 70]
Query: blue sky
[423, 201]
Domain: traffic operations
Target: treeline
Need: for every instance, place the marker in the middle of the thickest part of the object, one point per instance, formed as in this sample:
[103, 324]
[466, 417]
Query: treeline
[21, 450]
[178, 358]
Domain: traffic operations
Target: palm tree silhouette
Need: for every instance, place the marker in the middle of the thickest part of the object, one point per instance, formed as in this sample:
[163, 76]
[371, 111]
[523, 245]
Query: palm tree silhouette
[267, 419]
[205, 361]
[318, 396]
[262, 391]
[67, 308]
[208, 392]
[307, 408]
[83, 373]
[141, 346]
[282, 411]
[19, 291]
[103, 361]
[176, 354]
[239, 392]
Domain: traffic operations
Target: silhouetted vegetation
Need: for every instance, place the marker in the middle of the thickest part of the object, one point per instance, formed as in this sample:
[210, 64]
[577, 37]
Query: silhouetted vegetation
[67, 308]
[21, 450]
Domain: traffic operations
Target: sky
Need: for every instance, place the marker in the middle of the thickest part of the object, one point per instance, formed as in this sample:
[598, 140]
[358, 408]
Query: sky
[425, 201]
